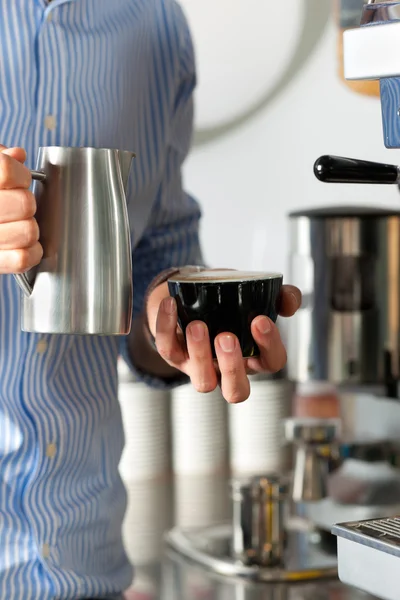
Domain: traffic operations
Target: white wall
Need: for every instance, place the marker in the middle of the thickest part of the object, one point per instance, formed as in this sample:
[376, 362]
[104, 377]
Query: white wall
[248, 180]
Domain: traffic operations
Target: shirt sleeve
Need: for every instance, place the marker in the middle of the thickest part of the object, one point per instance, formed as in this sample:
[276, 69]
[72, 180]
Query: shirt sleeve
[171, 238]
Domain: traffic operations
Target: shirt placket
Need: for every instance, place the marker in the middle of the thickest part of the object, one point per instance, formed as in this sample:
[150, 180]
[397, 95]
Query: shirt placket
[49, 105]
[48, 100]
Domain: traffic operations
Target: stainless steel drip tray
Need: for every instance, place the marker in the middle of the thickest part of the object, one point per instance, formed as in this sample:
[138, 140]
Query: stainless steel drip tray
[369, 555]
[211, 549]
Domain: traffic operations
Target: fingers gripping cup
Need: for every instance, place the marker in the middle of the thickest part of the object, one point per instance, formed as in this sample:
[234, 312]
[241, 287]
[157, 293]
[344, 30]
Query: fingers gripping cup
[227, 301]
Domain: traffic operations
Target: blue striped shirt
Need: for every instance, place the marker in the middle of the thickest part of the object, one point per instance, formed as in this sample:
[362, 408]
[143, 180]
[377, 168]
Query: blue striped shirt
[102, 73]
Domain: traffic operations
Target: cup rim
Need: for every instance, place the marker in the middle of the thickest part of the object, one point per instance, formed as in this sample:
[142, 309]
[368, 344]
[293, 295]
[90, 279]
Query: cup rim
[235, 277]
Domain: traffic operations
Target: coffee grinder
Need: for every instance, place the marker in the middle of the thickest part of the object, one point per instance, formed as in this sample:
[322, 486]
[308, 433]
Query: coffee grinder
[348, 331]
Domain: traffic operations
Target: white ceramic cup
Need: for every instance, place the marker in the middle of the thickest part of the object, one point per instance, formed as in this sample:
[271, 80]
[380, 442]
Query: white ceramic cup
[199, 432]
[256, 437]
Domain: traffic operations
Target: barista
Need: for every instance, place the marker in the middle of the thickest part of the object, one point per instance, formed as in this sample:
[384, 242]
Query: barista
[110, 74]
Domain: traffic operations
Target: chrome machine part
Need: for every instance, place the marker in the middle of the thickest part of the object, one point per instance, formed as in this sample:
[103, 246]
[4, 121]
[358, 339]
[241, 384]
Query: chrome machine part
[346, 262]
[372, 51]
[380, 12]
[258, 520]
[211, 548]
[260, 544]
[315, 444]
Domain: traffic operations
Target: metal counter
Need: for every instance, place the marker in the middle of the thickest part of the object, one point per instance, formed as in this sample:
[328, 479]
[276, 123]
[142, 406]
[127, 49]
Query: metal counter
[162, 574]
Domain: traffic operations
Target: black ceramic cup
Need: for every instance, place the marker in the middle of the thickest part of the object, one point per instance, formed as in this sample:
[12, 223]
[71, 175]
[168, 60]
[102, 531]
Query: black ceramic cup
[227, 301]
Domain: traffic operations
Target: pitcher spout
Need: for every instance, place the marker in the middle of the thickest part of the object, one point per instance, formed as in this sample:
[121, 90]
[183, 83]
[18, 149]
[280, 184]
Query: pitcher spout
[24, 284]
[125, 160]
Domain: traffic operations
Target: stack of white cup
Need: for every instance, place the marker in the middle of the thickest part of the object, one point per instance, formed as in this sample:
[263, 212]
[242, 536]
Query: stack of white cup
[199, 432]
[148, 516]
[199, 457]
[144, 587]
[146, 419]
[256, 438]
[201, 501]
[145, 466]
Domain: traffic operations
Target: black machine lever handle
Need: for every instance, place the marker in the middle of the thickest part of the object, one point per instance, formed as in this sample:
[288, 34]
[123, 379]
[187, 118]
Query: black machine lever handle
[337, 169]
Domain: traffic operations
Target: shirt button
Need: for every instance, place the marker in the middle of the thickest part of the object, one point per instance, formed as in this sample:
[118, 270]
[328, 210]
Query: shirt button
[50, 122]
[46, 551]
[49, 17]
[51, 450]
[41, 347]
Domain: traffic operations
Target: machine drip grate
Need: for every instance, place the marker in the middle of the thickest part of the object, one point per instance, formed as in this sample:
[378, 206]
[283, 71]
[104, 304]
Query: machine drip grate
[389, 527]
[383, 534]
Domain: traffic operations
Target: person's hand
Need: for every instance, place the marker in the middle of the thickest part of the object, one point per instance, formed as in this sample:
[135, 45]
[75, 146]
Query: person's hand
[195, 359]
[19, 233]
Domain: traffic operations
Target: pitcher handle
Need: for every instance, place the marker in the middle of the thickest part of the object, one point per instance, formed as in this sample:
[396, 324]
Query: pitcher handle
[22, 278]
[39, 176]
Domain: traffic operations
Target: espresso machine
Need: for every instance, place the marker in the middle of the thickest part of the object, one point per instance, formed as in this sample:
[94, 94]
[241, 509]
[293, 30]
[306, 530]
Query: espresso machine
[348, 331]
[346, 261]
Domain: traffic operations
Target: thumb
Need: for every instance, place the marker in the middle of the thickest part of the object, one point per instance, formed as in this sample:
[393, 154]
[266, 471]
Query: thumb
[153, 304]
[18, 153]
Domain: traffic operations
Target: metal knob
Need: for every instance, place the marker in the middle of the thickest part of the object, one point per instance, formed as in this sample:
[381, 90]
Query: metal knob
[380, 12]
[258, 520]
[315, 441]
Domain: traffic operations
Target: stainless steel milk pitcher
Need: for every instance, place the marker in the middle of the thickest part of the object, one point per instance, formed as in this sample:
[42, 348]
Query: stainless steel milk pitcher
[83, 284]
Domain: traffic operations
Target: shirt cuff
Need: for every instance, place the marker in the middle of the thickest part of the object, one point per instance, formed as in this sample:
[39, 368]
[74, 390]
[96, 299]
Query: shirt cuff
[152, 381]
[162, 278]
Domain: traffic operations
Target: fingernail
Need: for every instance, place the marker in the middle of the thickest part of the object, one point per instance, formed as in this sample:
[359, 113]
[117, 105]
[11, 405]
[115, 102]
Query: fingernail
[227, 343]
[169, 306]
[295, 299]
[197, 331]
[263, 325]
